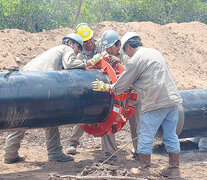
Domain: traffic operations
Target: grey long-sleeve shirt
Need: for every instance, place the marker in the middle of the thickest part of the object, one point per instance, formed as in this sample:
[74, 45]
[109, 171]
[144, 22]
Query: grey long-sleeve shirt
[147, 70]
[57, 58]
[89, 55]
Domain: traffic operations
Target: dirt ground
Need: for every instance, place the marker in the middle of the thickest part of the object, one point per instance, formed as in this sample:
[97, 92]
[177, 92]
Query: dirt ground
[185, 48]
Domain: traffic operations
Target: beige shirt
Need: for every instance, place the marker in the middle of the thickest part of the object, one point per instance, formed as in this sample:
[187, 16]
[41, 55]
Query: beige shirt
[148, 72]
[57, 58]
[122, 56]
[89, 55]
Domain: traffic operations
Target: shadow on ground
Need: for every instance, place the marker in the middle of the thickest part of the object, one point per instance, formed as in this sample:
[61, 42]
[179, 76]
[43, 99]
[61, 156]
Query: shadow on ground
[184, 145]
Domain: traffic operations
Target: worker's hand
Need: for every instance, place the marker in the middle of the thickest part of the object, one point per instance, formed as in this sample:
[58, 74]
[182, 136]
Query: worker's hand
[96, 59]
[131, 86]
[100, 86]
[114, 58]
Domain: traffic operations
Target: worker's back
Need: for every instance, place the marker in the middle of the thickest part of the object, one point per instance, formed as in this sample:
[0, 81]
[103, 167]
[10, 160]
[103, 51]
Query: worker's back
[49, 60]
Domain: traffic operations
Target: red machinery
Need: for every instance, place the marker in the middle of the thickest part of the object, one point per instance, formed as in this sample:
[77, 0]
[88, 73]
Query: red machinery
[121, 111]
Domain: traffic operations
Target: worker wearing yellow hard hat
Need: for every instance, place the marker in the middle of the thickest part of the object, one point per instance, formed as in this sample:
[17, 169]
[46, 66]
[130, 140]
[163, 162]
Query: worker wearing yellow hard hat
[85, 31]
[91, 46]
[92, 49]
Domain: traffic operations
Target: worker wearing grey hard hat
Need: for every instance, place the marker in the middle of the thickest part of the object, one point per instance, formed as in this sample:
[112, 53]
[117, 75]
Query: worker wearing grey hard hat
[111, 44]
[149, 74]
[60, 57]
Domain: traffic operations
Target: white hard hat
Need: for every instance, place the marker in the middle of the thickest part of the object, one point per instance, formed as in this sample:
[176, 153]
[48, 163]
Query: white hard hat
[127, 36]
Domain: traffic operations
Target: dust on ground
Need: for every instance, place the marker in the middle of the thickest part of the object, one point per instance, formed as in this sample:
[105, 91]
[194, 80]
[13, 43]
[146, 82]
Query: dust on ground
[183, 45]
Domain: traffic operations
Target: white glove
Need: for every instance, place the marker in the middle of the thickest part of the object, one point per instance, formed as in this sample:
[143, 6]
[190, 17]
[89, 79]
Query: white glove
[114, 58]
[100, 86]
[96, 58]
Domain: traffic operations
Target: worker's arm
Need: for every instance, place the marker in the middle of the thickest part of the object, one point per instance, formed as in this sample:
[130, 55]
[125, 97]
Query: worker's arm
[96, 58]
[71, 61]
[128, 77]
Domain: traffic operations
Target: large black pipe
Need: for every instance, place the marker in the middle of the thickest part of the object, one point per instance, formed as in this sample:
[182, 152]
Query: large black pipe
[46, 99]
[192, 114]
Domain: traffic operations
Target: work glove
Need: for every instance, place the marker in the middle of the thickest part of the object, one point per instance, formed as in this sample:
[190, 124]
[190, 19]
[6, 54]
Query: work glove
[96, 59]
[100, 86]
[114, 58]
[131, 86]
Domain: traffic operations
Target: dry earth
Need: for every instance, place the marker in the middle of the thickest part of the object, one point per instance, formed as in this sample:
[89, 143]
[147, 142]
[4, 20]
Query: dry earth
[185, 48]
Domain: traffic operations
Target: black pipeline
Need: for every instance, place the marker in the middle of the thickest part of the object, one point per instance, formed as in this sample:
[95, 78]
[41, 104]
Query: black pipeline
[45, 99]
[192, 114]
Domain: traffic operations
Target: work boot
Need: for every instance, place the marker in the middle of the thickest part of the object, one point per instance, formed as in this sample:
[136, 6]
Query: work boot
[107, 155]
[173, 169]
[145, 164]
[61, 157]
[113, 158]
[14, 160]
[135, 156]
[71, 149]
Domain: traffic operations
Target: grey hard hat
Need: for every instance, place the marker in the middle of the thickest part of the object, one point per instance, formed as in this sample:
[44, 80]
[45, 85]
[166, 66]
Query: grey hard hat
[109, 38]
[74, 36]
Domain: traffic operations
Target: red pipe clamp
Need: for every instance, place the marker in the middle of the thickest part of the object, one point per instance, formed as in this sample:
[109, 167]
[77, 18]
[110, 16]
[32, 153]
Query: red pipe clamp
[121, 111]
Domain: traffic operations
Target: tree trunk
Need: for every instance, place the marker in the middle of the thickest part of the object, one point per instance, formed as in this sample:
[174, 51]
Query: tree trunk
[78, 13]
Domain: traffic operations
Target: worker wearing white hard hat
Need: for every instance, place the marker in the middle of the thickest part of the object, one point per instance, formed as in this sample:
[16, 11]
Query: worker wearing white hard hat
[149, 74]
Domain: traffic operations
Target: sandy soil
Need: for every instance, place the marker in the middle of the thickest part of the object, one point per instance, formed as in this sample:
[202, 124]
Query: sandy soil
[185, 49]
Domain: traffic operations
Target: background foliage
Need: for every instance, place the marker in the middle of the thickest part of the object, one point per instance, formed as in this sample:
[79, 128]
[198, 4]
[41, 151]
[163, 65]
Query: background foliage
[36, 15]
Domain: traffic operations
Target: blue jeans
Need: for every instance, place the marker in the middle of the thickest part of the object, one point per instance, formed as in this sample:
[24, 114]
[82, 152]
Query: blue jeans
[148, 127]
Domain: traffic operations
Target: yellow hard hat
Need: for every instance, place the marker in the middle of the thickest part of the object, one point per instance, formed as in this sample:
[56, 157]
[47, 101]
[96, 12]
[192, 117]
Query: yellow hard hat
[85, 31]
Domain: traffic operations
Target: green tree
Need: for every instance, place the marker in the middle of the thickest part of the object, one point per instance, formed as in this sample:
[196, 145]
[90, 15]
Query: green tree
[36, 15]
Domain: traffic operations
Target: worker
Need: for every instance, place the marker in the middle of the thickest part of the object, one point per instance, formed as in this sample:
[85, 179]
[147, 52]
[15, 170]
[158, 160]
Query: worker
[149, 74]
[111, 44]
[60, 57]
[91, 48]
